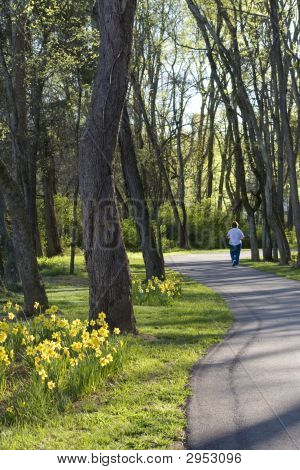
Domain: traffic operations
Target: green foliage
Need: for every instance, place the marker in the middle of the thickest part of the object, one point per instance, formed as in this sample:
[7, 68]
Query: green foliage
[64, 218]
[207, 226]
[291, 236]
[130, 235]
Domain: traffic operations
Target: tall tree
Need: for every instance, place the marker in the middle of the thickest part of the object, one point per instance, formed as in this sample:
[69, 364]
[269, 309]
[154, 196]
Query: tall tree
[154, 264]
[107, 262]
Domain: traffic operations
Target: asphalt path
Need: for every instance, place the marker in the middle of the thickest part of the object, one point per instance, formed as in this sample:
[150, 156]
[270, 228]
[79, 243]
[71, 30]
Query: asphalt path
[246, 390]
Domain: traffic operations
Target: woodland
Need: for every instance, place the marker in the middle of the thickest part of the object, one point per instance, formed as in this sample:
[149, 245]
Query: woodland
[145, 126]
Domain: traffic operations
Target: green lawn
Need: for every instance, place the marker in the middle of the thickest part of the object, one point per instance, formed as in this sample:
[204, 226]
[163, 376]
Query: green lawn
[143, 408]
[275, 268]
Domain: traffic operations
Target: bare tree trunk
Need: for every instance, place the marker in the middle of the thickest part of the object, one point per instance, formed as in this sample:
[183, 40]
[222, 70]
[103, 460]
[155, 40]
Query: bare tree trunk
[76, 189]
[153, 262]
[33, 287]
[253, 237]
[74, 227]
[53, 246]
[10, 270]
[24, 160]
[107, 262]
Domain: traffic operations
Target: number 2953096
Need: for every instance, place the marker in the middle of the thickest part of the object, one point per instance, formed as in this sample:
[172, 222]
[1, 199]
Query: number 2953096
[213, 457]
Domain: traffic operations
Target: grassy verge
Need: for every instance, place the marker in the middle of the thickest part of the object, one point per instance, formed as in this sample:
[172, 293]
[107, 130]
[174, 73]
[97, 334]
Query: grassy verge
[143, 408]
[274, 268]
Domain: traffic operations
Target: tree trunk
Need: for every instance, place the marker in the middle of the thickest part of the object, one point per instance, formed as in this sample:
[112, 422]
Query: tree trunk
[107, 262]
[33, 287]
[74, 227]
[153, 263]
[253, 237]
[53, 246]
[10, 270]
[266, 238]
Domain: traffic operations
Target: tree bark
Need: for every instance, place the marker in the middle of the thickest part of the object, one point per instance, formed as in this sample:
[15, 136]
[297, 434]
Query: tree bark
[107, 262]
[153, 263]
[10, 270]
[33, 287]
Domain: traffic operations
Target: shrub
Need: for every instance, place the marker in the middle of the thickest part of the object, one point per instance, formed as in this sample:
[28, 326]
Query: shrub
[130, 235]
[50, 361]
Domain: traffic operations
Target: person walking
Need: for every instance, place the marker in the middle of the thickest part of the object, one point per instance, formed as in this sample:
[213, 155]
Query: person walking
[235, 236]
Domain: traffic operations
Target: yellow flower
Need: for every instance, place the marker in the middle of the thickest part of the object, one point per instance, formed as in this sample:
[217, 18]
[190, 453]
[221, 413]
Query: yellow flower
[57, 336]
[62, 323]
[3, 336]
[42, 373]
[9, 409]
[103, 332]
[36, 305]
[11, 354]
[103, 362]
[30, 351]
[51, 385]
[17, 307]
[9, 304]
[73, 362]
[117, 331]
[3, 356]
[101, 316]
[77, 347]
[85, 336]
[92, 322]
[109, 358]
[11, 316]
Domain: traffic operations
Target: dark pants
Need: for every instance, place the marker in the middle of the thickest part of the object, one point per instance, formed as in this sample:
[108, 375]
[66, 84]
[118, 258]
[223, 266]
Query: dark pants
[235, 251]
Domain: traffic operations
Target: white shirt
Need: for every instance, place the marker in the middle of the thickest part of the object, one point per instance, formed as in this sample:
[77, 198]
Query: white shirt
[235, 236]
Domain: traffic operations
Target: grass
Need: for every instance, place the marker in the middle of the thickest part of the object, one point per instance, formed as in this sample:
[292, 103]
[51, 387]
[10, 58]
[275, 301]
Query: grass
[274, 268]
[143, 408]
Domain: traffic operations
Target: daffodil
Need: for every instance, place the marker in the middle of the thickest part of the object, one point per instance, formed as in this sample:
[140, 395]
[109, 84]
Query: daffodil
[3, 336]
[76, 346]
[51, 385]
[101, 316]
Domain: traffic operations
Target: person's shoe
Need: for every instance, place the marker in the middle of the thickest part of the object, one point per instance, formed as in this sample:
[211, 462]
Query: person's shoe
[233, 264]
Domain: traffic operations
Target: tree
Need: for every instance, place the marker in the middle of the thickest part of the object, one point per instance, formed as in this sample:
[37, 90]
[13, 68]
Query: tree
[106, 259]
[154, 263]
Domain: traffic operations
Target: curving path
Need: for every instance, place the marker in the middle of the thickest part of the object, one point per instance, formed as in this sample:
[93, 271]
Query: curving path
[246, 390]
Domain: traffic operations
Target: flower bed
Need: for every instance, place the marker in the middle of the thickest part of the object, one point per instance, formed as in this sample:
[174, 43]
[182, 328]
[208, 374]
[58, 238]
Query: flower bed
[47, 362]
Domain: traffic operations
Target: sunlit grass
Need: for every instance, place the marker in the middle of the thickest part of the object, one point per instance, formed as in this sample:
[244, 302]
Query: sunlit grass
[274, 268]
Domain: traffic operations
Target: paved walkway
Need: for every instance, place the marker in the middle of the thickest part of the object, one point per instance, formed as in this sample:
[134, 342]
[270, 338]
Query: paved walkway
[246, 391]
